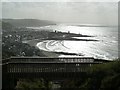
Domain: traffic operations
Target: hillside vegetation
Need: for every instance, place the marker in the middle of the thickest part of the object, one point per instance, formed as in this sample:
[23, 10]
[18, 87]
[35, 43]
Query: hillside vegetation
[99, 77]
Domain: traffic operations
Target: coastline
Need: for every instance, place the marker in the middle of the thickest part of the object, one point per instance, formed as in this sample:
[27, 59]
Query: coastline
[46, 53]
[50, 40]
[51, 53]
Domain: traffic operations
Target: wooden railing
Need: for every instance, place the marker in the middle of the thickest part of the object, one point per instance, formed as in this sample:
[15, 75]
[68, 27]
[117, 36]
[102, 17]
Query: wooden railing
[35, 67]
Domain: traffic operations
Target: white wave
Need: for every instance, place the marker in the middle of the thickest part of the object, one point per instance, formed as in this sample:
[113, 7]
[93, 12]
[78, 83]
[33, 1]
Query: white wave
[52, 45]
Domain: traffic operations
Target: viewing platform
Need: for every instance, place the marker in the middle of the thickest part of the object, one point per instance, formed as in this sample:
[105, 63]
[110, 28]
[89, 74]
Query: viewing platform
[16, 68]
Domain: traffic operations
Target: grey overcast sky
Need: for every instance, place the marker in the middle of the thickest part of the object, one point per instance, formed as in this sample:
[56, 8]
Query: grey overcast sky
[105, 13]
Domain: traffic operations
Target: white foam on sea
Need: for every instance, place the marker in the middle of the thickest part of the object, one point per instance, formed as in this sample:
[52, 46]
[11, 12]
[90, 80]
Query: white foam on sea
[52, 45]
[105, 48]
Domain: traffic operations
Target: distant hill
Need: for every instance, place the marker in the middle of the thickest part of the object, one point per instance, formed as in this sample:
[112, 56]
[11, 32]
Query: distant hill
[7, 26]
[28, 22]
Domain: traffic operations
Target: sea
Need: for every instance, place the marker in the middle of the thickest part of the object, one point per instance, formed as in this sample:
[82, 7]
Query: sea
[105, 48]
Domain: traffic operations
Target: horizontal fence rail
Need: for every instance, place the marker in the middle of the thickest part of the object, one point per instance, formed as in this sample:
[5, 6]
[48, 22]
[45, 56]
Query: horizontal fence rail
[28, 64]
[53, 60]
